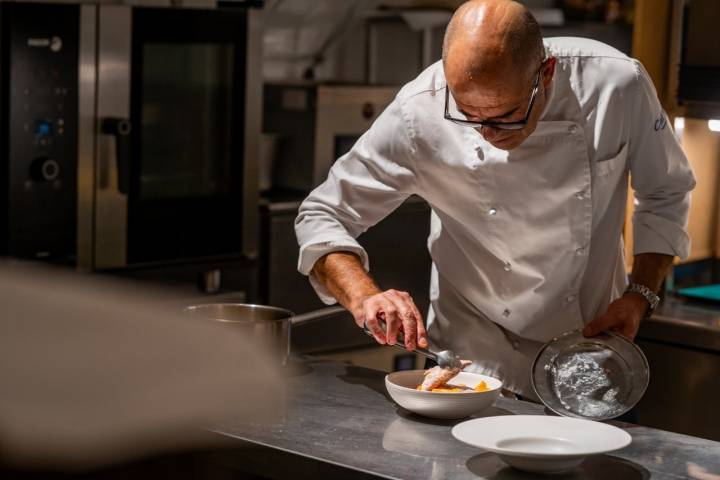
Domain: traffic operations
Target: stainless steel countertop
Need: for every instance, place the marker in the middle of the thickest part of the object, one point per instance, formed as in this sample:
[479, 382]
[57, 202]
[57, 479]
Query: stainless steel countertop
[687, 323]
[340, 423]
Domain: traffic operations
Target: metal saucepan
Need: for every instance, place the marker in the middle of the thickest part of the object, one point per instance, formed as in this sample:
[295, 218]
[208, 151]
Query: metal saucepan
[270, 326]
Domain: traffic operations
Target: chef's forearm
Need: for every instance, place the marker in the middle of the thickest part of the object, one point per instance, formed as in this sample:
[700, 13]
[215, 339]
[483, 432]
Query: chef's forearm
[343, 275]
[650, 269]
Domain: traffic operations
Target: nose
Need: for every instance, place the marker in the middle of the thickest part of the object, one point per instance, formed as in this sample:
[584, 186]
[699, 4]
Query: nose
[488, 133]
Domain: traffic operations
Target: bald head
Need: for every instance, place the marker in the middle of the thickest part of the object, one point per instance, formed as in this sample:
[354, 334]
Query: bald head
[491, 37]
[493, 63]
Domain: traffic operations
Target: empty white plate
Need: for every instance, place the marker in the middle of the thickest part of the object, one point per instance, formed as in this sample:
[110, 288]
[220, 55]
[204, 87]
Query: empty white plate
[538, 443]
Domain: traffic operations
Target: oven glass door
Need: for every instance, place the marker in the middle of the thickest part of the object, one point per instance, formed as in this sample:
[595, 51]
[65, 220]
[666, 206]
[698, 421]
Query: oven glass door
[186, 144]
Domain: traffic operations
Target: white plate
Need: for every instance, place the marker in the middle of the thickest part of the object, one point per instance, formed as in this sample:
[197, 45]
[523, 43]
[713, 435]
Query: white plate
[538, 443]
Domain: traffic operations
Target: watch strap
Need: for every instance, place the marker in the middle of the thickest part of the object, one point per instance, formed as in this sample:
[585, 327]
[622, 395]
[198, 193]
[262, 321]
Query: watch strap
[650, 297]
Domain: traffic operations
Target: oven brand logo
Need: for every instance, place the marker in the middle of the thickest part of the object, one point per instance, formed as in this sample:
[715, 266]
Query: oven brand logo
[53, 43]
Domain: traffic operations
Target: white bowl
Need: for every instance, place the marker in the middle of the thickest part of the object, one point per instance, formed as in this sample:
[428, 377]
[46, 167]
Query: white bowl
[538, 443]
[402, 388]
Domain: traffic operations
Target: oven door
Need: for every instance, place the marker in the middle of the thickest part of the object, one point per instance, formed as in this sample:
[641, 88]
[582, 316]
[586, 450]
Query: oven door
[176, 152]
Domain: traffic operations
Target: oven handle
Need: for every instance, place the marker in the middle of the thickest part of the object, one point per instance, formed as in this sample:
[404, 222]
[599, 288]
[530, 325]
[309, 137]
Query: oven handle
[120, 128]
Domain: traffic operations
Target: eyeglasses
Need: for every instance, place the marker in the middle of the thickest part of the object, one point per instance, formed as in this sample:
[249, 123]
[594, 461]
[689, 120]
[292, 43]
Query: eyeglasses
[518, 125]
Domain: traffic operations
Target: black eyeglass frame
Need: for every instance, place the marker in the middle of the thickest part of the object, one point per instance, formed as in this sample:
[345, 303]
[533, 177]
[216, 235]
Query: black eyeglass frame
[518, 125]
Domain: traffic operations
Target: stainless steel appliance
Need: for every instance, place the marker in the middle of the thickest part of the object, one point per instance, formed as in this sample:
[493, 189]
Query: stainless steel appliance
[129, 134]
[38, 129]
[314, 125]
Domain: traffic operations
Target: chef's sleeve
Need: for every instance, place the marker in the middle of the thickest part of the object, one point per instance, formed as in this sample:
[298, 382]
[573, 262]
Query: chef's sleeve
[660, 175]
[362, 188]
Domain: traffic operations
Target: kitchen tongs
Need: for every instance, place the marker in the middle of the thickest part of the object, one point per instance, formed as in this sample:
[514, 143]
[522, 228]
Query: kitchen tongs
[445, 358]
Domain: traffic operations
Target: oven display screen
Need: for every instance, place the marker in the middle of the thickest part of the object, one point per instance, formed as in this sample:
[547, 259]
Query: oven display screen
[43, 128]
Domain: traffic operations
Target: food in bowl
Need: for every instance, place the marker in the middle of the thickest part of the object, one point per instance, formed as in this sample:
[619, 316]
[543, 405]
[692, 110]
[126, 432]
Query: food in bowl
[402, 387]
[447, 388]
[436, 376]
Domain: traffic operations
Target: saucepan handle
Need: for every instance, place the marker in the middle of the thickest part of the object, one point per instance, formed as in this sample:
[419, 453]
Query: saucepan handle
[320, 314]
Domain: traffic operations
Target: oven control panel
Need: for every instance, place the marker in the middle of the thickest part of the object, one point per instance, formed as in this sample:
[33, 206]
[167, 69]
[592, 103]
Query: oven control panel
[41, 155]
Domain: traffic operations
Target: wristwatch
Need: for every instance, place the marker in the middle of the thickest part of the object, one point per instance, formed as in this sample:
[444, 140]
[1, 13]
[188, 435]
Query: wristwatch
[650, 297]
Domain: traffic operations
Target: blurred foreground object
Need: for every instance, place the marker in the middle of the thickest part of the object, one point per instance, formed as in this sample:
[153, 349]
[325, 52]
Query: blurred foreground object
[95, 371]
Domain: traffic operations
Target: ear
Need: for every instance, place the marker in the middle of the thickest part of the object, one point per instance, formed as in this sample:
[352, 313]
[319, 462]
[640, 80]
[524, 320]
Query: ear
[548, 71]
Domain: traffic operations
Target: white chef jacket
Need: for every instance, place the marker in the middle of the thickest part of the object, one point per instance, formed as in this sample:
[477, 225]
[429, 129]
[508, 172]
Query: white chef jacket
[525, 244]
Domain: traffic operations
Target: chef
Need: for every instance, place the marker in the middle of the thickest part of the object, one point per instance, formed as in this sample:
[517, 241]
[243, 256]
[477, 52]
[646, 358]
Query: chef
[524, 149]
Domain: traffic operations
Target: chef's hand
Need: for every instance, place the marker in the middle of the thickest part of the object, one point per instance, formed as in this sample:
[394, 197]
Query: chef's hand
[399, 313]
[623, 316]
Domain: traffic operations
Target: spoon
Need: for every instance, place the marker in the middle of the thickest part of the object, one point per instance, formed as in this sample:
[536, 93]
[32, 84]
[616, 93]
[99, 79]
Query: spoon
[444, 359]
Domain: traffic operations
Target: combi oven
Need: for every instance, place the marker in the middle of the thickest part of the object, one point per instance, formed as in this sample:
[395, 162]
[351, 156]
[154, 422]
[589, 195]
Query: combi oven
[129, 135]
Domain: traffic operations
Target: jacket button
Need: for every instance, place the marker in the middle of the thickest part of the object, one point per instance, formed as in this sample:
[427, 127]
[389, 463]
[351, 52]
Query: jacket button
[506, 313]
[492, 211]
[507, 267]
